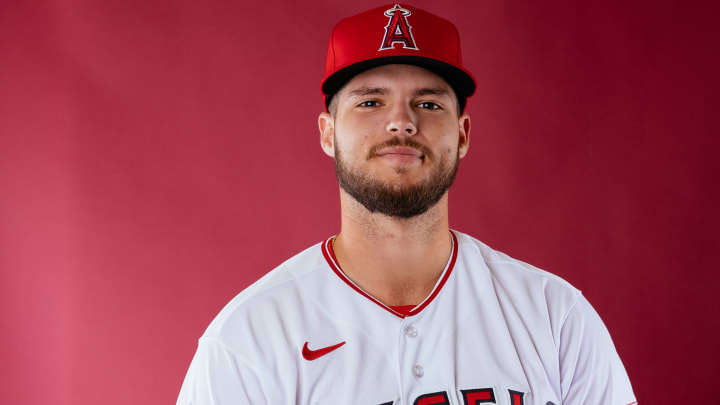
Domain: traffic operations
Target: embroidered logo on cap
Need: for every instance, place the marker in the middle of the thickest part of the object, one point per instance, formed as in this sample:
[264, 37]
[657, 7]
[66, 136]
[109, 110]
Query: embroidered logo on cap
[398, 29]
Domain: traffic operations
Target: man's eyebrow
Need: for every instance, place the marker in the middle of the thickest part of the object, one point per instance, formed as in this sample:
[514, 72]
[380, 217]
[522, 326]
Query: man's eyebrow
[433, 91]
[369, 91]
[384, 91]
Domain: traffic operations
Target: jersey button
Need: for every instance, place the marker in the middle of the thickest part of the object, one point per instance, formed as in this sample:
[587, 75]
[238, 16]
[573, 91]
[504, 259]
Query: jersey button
[410, 331]
[418, 371]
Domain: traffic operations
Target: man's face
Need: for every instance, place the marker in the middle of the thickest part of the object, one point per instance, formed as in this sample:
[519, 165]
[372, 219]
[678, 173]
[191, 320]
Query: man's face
[396, 139]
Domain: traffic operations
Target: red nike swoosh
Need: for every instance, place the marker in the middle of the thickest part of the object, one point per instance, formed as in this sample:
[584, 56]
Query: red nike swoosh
[314, 354]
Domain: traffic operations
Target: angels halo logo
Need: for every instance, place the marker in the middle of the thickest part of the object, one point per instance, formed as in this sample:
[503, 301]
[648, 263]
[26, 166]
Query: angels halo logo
[398, 29]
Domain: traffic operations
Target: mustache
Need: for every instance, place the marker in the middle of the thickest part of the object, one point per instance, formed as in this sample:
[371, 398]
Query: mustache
[406, 142]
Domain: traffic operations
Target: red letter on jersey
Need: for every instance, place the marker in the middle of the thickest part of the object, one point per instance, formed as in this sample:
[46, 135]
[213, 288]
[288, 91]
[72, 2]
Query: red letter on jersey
[398, 29]
[481, 396]
[516, 398]
[436, 398]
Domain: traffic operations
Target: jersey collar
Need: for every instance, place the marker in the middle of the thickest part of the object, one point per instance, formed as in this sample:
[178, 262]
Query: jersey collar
[329, 255]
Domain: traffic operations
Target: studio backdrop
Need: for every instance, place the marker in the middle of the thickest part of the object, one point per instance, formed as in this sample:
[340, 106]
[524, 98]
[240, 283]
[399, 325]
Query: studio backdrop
[157, 157]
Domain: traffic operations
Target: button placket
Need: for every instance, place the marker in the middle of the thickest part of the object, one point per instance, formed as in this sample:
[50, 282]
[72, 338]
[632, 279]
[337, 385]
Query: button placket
[411, 343]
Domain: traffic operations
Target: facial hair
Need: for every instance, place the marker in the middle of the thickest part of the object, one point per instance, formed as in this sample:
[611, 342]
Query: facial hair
[396, 200]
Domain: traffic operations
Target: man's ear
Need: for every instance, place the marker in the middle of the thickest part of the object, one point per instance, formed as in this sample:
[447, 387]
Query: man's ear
[326, 124]
[463, 134]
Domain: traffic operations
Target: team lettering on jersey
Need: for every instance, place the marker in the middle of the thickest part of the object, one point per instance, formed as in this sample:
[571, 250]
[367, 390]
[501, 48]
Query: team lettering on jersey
[398, 29]
[470, 397]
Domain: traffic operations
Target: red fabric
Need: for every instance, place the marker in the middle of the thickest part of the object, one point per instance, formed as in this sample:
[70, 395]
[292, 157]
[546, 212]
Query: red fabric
[478, 395]
[432, 399]
[361, 37]
[309, 354]
[403, 309]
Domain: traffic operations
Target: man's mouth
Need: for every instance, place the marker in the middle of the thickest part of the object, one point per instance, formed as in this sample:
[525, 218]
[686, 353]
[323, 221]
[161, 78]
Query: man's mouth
[400, 151]
[400, 155]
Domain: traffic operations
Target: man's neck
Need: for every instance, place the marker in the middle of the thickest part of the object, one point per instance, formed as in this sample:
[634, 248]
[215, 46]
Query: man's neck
[396, 260]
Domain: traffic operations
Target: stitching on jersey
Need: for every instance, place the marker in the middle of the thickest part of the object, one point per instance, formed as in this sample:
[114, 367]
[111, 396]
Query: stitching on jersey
[562, 326]
[570, 309]
[503, 258]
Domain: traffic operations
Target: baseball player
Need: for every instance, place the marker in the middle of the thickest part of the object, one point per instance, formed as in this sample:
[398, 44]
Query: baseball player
[397, 308]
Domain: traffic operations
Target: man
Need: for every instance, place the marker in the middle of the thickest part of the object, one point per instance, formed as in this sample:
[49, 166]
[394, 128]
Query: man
[397, 308]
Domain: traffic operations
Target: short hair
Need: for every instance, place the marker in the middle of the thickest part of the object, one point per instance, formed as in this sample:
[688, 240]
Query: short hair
[333, 104]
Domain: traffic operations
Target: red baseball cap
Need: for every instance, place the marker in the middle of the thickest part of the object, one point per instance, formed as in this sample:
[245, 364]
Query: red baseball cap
[395, 34]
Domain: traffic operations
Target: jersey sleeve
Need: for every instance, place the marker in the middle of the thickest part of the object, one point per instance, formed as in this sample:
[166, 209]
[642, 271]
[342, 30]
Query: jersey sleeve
[591, 372]
[217, 377]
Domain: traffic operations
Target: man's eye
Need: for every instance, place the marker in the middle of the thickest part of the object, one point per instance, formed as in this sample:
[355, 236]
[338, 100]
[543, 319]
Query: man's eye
[370, 103]
[429, 105]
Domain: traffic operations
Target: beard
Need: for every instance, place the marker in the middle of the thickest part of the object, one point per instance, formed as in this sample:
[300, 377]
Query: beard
[397, 200]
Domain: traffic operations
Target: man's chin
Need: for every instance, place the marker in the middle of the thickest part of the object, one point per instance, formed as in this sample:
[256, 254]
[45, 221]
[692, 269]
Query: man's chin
[397, 192]
[397, 201]
[401, 176]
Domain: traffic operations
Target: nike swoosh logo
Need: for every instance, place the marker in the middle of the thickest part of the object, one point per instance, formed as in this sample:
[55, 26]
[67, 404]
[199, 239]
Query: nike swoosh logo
[314, 354]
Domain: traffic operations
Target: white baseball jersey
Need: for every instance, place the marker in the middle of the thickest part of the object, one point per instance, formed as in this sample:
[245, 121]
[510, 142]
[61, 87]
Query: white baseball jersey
[494, 330]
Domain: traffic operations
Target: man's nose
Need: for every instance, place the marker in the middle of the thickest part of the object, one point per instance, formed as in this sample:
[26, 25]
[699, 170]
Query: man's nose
[401, 121]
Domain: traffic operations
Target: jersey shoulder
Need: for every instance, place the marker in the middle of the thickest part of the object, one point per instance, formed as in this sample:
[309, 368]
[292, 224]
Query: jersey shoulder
[517, 281]
[273, 294]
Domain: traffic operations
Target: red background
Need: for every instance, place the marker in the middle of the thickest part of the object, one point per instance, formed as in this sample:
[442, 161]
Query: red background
[156, 157]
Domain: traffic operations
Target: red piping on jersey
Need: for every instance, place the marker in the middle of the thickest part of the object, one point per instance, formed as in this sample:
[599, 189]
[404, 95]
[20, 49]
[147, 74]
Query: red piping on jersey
[403, 309]
[335, 266]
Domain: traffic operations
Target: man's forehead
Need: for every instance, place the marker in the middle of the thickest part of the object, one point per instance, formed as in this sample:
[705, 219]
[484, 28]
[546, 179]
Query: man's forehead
[386, 79]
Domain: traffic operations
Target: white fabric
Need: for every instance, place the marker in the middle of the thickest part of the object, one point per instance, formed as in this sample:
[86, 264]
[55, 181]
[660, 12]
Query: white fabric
[497, 324]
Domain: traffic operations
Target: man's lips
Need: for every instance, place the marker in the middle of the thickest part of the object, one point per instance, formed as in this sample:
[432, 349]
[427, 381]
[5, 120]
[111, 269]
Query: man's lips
[400, 151]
